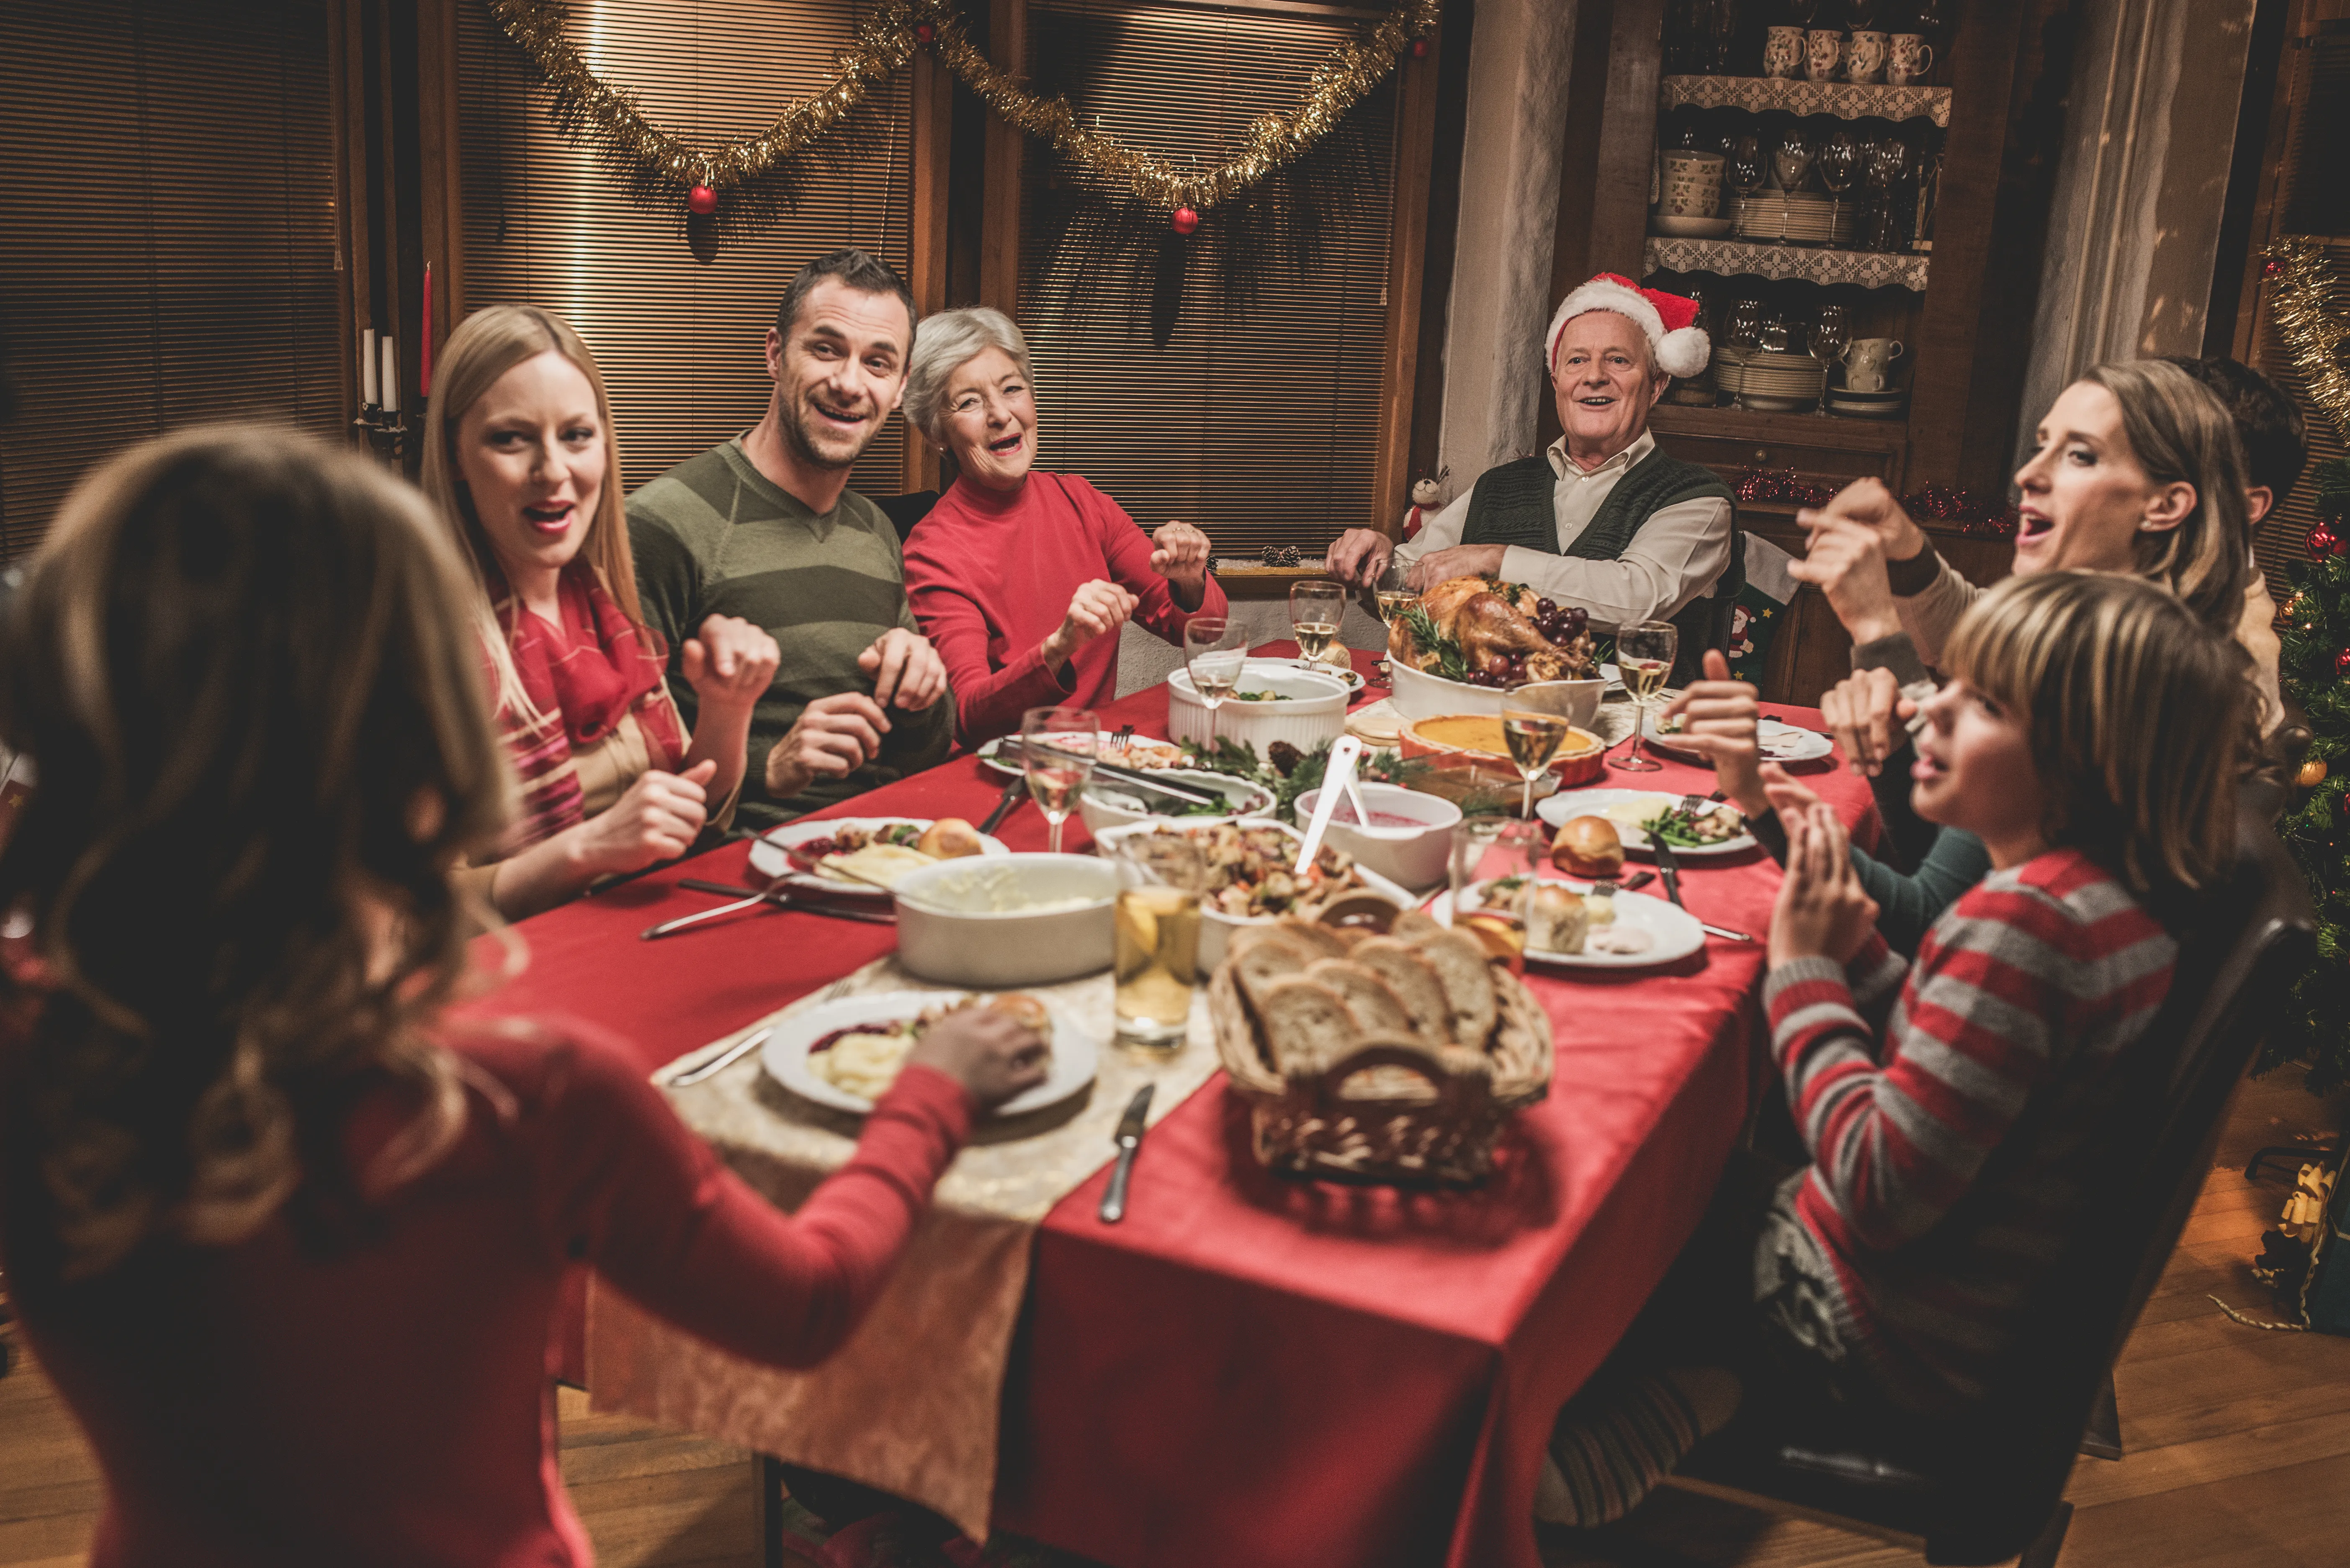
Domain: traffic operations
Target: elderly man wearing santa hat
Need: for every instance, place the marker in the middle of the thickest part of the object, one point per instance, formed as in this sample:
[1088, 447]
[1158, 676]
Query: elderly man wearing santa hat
[1602, 519]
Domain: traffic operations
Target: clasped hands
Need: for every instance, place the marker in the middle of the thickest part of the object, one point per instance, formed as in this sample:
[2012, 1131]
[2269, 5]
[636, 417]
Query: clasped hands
[835, 735]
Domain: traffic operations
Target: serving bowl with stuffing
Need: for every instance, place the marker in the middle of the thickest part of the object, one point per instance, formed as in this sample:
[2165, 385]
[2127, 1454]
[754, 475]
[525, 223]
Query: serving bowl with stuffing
[1389, 1053]
[1253, 880]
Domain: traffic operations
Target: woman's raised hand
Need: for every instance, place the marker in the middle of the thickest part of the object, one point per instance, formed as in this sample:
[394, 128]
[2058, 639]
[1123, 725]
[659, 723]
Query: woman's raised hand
[1823, 911]
[1861, 711]
[657, 819]
[991, 1053]
[1723, 724]
[1096, 610]
[730, 664]
[1178, 553]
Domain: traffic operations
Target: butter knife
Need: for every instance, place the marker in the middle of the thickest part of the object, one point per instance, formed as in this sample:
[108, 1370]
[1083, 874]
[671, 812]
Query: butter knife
[1013, 792]
[1668, 868]
[1129, 1138]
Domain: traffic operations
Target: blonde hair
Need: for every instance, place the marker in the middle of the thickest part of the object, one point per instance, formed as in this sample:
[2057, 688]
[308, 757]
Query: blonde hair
[485, 346]
[2180, 432]
[240, 661]
[2140, 719]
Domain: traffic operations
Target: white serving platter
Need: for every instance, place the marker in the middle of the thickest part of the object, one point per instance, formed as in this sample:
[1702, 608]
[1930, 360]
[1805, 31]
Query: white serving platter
[769, 858]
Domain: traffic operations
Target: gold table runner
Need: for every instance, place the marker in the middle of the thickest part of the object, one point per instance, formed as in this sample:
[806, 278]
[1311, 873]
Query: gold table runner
[912, 1403]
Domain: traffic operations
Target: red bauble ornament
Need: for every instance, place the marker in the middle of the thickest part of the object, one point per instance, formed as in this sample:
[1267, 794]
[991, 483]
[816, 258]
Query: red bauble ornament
[2273, 269]
[1185, 220]
[1419, 49]
[924, 33]
[2322, 542]
[2342, 663]
[702, 201]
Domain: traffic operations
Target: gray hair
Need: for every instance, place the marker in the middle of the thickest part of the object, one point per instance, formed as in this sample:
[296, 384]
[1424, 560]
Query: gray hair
[946, 343]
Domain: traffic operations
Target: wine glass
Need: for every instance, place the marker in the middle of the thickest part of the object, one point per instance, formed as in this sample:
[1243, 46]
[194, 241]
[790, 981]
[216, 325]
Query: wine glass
[1393, 599]
[1829, 336]
[1534, 724]
[1214, 652]
[1860, 15]
[1791, 160]
[1644, 655]
[1315, 608]
[1744, 333]
[1723, 28]
[1838, 161]
[1745, 169]
[1056, 752]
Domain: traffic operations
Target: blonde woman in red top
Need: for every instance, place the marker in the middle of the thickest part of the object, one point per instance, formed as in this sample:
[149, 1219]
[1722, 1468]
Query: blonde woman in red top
[1022, 577]
[288, 1242]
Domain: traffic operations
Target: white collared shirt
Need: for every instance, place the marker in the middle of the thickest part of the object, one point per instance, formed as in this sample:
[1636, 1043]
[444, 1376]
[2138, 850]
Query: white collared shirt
[1674, 558]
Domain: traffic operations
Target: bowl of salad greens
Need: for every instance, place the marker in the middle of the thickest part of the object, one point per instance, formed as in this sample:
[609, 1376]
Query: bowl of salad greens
[1107, 802]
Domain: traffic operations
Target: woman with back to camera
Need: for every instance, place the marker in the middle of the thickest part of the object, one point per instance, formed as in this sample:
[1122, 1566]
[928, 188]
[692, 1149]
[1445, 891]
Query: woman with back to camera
[287, 1240]
[521, 459]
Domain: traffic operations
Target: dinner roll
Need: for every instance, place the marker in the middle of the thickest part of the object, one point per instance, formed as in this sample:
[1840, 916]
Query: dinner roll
[949, 839]
[1588, 846]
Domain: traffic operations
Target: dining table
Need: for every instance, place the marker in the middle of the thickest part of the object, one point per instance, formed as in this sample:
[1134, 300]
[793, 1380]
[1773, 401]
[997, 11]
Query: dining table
[1254, 1369]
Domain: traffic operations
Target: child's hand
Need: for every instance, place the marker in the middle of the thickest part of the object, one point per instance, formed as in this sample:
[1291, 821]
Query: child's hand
[1790, 799]
[1823, 911]
[1722, 715]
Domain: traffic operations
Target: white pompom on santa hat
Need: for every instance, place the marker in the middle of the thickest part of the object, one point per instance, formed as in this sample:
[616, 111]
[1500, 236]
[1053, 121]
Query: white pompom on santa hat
[1669, 319]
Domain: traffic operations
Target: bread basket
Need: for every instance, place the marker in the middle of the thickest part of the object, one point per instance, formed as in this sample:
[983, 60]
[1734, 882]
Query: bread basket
[1390, 1108]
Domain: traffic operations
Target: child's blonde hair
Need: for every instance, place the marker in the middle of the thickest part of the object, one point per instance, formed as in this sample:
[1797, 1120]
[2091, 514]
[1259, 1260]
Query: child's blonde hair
[2140, 719]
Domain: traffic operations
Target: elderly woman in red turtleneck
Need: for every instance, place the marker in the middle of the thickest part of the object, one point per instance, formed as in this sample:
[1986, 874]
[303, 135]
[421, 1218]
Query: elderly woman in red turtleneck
[1022, 577]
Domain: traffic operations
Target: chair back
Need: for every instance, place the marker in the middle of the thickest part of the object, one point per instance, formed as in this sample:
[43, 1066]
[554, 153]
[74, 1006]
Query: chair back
[2008, 1464]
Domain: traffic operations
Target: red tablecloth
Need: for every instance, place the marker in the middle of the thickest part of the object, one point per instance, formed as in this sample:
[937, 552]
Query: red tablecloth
[1252, 1370]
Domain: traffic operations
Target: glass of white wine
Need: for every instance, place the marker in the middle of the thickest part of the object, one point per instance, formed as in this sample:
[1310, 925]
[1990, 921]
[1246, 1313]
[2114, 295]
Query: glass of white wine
[1533, 726]
[1315, 608]
[1215, 654]
[1644, 654]
[1056, 752]
[1393, 599]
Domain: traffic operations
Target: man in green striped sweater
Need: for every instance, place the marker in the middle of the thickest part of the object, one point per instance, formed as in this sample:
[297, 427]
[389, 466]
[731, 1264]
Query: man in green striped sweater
[765, 526]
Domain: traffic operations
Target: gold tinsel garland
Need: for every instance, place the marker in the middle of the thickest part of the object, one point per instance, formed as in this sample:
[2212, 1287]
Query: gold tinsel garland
[2299, 277]
[582, 104]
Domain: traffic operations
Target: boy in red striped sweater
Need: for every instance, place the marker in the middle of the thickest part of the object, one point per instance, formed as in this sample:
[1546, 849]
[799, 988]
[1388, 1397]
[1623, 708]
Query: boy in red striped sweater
[1951, 1107]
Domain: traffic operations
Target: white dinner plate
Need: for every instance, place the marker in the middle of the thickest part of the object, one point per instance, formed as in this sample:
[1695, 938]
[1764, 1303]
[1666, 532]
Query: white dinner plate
[769, 860]
[1778, 741]
[1075, 1054]
[1674, 931]
[1567, 804]
[1168, 750]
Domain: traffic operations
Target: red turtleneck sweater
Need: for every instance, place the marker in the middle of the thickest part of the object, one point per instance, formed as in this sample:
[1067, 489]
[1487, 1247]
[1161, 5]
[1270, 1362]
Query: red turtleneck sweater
[991, 575]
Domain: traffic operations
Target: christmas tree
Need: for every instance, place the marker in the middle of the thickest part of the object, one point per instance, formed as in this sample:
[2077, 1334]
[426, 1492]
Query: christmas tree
[2315, 670]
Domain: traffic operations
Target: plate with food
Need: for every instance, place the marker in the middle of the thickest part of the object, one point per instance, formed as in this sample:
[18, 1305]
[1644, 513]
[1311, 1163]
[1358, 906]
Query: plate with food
[1715, 827]
[1570, 927]
[1135, 752]
[864, 853]
[846, 1054]
[1778, 741]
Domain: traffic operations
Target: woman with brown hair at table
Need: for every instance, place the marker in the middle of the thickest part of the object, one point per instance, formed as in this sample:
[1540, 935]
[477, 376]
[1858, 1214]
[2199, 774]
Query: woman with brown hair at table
[288, 1238]
[1020, 577]
[521, 459]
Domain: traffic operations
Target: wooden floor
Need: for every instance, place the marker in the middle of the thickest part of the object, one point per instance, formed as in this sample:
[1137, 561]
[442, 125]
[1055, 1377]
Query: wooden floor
[2237, 1442]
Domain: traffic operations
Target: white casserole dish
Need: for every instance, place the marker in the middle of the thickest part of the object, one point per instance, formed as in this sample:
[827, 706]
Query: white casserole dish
[1100, 802]
[1420, 695]
[1314, 715]
[952, 929]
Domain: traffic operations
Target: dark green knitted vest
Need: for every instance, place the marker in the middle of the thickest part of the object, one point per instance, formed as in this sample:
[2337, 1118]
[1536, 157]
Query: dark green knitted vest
[1511, 505]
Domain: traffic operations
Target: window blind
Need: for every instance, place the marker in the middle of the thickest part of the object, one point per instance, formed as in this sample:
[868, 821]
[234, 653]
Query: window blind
[167, 231]
[1262, 429]
[678, 338]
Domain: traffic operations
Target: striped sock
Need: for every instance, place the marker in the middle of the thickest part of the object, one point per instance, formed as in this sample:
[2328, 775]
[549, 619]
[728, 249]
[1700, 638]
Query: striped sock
[1611, 1446]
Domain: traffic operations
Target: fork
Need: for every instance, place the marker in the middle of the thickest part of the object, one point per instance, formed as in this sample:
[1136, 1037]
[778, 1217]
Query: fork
[1122, 735]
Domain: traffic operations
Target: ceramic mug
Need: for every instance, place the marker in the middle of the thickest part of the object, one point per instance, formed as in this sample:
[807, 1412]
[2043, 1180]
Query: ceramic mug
[1908, 58]
[1865, 61]
[1823, 47]
[1782, 51]
[1865, 361]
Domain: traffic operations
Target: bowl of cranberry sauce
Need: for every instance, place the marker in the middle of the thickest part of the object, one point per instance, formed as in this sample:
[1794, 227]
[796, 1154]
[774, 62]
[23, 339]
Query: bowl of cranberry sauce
[1407, 840]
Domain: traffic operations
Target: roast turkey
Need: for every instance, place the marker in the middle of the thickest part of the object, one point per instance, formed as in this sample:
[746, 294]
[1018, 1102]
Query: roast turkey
[1491, 631]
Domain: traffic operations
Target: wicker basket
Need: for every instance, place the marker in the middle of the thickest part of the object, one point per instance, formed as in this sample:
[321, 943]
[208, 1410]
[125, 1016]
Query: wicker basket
[1416, 1114]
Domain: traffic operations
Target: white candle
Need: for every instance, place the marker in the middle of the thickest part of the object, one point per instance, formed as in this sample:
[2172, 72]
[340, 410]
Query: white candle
[367, 367]
[391, 375]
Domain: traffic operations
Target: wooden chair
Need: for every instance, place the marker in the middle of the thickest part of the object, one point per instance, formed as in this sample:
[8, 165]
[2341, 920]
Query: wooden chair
[1988, 1487]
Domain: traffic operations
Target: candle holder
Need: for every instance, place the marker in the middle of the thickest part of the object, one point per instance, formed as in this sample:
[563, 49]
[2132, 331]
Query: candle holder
[386, 431]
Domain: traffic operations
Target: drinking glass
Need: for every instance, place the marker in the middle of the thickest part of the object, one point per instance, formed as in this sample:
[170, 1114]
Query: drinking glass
[1838, 161]
[1745, 169]
[1743, 333]
[1644, 654]
[1533, 726]
[1859, 15]
[1829, 336]
[1214, 653]
[1470, 839]
[1791, 160]
[1722, 33]
[1056, 752]
[1316, 609]
[1160, 878]
[1393, 599]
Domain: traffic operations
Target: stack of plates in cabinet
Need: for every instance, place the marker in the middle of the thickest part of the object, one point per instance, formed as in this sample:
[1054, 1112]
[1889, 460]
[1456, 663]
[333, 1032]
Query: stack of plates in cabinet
[1802, 217]
[1884, 405]
[1774, 383]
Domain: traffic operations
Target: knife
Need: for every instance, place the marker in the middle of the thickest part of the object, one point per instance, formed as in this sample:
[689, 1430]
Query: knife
[1668, 868]
[1014, 794]
[1129, 1137]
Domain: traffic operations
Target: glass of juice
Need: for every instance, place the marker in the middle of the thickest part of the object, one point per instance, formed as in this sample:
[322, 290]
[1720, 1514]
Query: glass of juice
[1160, 875]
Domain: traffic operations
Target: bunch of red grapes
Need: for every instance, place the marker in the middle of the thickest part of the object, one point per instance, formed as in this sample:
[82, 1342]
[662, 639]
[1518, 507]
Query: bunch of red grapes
[1560, 626]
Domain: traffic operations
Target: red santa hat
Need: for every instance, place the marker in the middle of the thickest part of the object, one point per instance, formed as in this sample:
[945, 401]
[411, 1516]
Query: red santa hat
[1669, 319]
